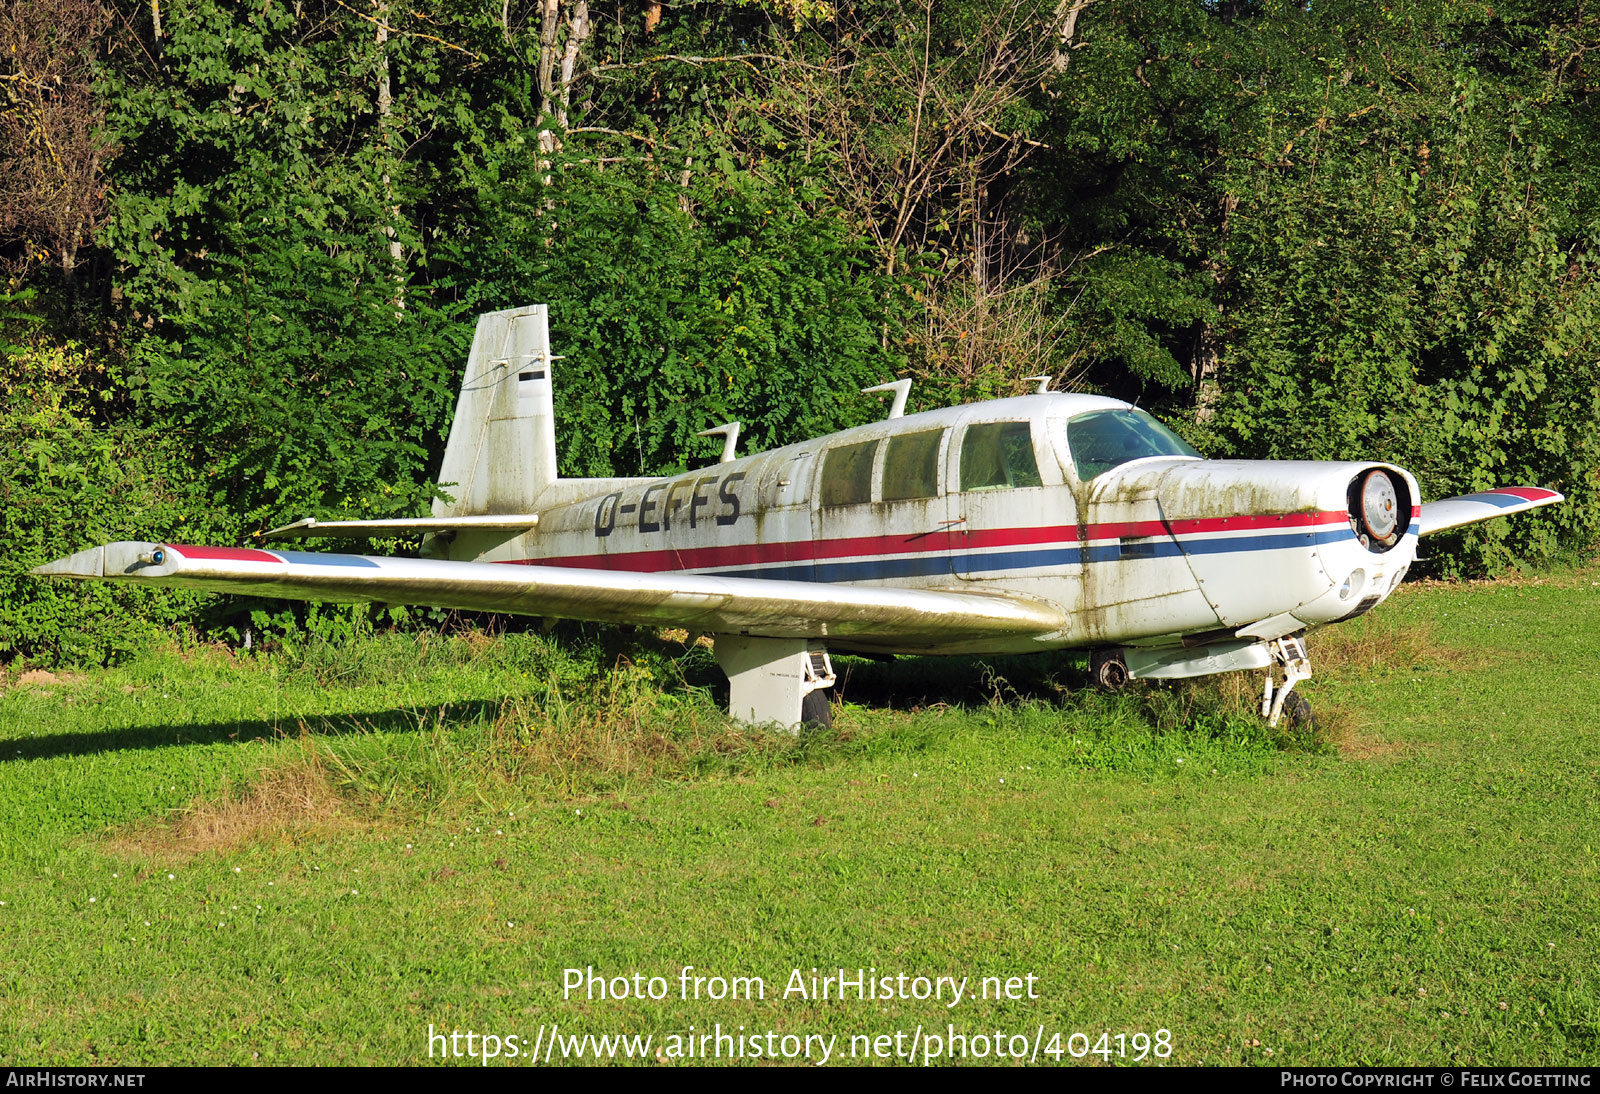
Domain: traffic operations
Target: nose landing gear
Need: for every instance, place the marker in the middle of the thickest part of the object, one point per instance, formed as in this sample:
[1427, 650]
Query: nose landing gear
[1289, 655]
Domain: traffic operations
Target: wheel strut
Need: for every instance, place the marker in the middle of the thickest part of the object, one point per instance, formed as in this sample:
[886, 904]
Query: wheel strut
[1289, 654]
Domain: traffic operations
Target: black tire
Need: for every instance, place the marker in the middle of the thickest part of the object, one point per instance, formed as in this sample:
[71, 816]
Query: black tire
[815, 711]
[1297, 711]
[1108, 670]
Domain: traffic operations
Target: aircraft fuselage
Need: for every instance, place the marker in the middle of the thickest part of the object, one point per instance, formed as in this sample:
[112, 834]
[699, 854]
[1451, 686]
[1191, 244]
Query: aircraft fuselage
[1009, 496]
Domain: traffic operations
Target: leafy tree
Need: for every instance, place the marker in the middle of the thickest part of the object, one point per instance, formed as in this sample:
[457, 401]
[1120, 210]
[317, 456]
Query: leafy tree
[680, 306]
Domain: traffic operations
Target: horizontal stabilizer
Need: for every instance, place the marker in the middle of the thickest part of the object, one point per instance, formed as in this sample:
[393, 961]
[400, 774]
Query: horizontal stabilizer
[899, 618]
[1471, 508]
[312, 528]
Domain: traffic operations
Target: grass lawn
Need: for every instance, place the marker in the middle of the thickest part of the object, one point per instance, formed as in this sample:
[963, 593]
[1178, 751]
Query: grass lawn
[312, 856]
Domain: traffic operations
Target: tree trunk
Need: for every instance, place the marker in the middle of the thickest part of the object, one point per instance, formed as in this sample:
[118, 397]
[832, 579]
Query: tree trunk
[549, 28]
[1203, 369]
[577, 33]
[980, 240]
[385, 110]
[1067, 12]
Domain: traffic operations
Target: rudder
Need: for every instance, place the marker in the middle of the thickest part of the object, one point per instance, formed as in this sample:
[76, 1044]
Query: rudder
[501, 451]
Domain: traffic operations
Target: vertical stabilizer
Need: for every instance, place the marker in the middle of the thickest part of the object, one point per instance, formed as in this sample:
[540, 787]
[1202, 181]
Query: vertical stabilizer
[501, 453]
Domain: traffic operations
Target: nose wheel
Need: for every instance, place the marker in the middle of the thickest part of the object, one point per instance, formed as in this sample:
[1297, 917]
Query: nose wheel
[1278, 698]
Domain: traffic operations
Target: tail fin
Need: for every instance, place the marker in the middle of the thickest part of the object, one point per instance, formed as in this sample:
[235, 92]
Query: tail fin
[501, 453]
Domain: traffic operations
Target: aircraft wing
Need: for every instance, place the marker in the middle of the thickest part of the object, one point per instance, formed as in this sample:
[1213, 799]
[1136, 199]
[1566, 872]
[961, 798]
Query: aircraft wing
[1437, 516]
[904, 618]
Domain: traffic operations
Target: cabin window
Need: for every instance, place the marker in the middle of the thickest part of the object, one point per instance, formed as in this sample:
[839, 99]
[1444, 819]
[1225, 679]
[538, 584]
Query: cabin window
[911, 466]
[847, 474]
[998, 455]
[1103, 439]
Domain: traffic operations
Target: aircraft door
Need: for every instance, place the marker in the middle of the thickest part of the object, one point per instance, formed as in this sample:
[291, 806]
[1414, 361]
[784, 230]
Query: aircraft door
[1008, 510]
[1137, 579]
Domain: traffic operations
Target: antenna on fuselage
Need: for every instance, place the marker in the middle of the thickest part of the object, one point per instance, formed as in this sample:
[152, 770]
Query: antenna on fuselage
[1042, 381]
[730, 432]
[902, 391]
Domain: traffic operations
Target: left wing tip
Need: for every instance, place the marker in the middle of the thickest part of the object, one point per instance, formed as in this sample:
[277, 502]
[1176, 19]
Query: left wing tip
[1448, 513]
[90, 563]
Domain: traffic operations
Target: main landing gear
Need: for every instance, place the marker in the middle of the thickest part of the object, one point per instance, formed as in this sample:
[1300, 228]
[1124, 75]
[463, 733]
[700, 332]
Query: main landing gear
[1108, 670]
[776, 680]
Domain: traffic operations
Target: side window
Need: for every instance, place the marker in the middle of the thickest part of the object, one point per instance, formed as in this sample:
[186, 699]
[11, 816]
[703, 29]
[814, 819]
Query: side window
[911, 466]
[998, 455]
[847, 474]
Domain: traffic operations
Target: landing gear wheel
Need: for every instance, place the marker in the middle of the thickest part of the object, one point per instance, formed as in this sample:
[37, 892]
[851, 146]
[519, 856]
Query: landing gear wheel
[1297, 711]
[815, 710]
[1108, 670]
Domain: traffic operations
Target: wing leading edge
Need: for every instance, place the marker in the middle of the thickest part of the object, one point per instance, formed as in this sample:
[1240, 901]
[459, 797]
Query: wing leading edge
[902, 619]
[1437, 516]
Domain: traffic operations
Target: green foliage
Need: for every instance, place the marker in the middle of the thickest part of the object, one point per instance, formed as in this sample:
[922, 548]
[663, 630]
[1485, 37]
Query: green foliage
[1414, 289]
[304, 376]
[284, 346]
[681, 307]
[71, 484]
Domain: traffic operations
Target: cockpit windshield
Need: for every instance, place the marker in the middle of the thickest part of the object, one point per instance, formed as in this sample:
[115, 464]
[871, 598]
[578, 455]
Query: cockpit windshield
[1103, 439]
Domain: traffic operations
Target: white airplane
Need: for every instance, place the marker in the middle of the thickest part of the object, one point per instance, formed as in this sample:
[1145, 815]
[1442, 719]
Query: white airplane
[1049, 521]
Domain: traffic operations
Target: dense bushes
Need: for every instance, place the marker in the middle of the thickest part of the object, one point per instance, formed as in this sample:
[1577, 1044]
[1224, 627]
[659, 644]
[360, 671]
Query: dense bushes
[680, 307]
[71, 484]
[1426, 298]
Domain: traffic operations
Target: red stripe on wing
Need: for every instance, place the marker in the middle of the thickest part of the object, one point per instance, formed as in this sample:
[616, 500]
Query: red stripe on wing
[1526, 493]
[225, 554]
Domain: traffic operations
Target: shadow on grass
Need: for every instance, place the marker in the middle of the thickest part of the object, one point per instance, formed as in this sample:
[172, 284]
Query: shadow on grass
[905, 683]
[89, 743]
[911, 683]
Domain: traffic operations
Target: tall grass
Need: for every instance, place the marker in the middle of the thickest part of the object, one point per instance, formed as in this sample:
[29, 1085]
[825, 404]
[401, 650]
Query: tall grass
[584, 713]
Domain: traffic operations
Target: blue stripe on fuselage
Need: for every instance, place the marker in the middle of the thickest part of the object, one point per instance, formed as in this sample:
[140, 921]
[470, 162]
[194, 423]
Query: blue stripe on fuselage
[887, 569]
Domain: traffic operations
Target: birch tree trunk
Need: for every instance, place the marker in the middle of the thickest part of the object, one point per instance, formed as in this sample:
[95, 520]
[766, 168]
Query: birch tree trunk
[385, 110]
[578, 28]
[1067, 12]
[549, 29]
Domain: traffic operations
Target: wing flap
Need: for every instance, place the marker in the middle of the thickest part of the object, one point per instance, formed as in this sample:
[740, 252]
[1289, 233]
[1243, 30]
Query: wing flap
[1437, 516]
[758, 606]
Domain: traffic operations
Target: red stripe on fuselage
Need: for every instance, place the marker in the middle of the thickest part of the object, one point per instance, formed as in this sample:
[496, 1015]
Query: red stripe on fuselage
[1252, 523]
[943, 542]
